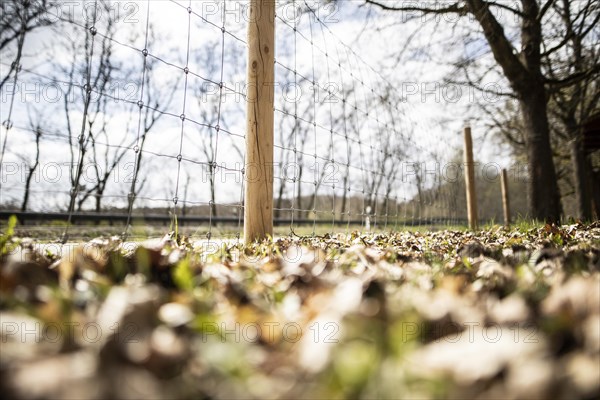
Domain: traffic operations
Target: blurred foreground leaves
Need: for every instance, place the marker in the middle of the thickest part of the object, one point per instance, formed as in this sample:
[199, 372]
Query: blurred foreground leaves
[494, 314]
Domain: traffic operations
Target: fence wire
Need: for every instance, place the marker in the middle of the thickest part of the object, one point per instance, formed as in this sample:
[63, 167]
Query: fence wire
[346, 146]
[138, 108]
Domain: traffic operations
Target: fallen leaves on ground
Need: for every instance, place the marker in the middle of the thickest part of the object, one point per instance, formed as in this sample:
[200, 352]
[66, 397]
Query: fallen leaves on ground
[492, 314]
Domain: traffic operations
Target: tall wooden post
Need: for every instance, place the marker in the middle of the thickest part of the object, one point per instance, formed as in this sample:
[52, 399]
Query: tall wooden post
[505, 203]
[258, 210]
[470, 180]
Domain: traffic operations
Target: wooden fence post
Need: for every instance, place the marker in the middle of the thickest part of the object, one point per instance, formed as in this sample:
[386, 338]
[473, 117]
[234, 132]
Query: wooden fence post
[505, 202]
[470, 180]
[258, 210]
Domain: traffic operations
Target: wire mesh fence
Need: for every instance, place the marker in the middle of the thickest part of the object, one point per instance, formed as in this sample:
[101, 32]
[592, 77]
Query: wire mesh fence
[135, 111]
[347, 135]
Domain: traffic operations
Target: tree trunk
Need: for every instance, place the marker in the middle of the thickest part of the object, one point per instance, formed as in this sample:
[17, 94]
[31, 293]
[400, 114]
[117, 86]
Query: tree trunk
[27, 187]
[213, 204]
[580, 180]
[523, 71]
[594, 183]
[80, 202]
[75, 183]
[99, 194]
[543, 196]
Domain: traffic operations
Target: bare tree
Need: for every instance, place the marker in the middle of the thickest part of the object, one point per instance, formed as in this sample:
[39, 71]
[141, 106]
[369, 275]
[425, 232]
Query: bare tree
[575, 98]
[158, 95]
[569, 62]
[524, 71]
[210, 118]
[301, 131]
[104, 162]
[207, 145]
[290, 139]
[17, 19]
[36, 128]
[387, 150]
[97, 52]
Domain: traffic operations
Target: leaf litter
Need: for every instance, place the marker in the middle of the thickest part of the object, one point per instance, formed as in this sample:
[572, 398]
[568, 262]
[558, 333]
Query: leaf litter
[492, 314]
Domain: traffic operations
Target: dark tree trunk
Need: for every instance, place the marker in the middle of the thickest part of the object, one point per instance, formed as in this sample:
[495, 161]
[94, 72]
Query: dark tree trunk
[523, 71]
[99, 194]
[580, 180]
[32, 169]
[27, 187]
[75, 181]
[594, 183]
[213, 204]
[543, 196]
